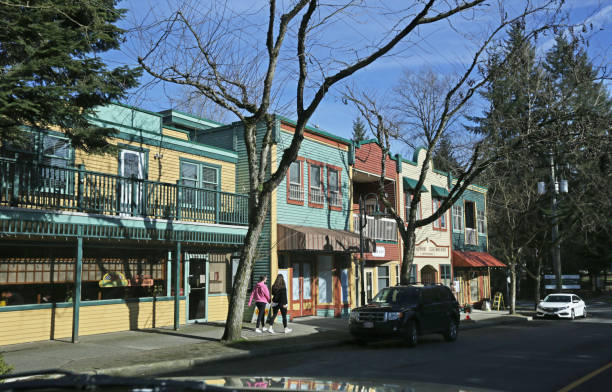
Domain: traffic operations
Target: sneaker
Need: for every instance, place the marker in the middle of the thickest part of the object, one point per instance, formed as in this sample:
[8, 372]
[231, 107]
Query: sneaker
[271, 330]
[257, 330]
[287, 330]
[265, 329]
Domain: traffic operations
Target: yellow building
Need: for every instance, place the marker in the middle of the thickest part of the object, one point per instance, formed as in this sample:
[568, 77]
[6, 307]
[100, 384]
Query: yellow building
[142, 238]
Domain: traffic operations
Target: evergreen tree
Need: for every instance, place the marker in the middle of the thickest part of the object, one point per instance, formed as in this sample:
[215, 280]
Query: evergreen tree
[359, 130]
[444, 158]
[50, 72]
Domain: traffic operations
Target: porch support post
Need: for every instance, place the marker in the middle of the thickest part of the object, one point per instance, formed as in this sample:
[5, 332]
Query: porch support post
[177, 286]
[169, 274]
[76, 296]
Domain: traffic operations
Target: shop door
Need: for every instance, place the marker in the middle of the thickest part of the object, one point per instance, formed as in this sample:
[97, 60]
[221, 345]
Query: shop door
[131, 169]
[301, 290]
[198, 280]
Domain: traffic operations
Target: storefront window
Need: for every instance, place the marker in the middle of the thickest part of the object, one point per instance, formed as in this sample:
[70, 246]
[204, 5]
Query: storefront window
[383, 277]
[218, 267]
[344, 284]
[445, 274]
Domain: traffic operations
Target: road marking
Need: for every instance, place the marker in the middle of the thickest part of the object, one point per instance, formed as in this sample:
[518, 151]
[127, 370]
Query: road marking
[585, 378]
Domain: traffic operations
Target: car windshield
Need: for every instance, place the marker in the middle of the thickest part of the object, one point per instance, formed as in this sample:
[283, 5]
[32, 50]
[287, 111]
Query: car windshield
[558, 298]
[396, 296]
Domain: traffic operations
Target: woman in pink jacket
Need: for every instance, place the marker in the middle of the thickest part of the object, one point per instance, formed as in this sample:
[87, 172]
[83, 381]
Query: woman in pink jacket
[261, 295]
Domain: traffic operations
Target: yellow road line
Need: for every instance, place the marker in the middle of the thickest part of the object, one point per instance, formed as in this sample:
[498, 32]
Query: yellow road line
[585, 378]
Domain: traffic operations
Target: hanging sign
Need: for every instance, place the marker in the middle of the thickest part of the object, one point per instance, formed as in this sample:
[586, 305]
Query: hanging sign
[379, 252]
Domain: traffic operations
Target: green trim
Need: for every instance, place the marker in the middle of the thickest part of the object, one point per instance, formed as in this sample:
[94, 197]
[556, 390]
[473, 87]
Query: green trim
[438, 191]
[440, 172]
[64, 305]
[415, 155]
[385, 242]
[317, 131]
[198, 120]
[169, 142]
[367, 141]
[136, 108]
[410, 183]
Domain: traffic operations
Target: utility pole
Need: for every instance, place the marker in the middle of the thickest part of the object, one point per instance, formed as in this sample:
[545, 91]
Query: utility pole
[361, 268]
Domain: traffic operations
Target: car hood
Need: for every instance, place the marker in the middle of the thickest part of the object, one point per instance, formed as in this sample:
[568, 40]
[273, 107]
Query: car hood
[285, 383]
[377, 308]
[554, 304]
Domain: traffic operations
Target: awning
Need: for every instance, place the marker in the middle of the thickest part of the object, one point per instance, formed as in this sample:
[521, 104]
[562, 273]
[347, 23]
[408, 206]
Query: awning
[292, 237]
[475, 260]
[409, 183]
[439, 191]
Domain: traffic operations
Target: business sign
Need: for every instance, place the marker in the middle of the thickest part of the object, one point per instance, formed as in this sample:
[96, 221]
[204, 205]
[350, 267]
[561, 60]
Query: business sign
[114, 279]
[429, 248]
[379, 252]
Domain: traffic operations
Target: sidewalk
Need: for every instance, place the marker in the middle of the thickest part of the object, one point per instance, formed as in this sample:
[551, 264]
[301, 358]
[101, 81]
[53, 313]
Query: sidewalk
[163, 350]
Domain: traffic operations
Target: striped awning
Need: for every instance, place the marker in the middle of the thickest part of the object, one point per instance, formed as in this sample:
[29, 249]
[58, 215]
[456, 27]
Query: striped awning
[475, 260]
[292, 237]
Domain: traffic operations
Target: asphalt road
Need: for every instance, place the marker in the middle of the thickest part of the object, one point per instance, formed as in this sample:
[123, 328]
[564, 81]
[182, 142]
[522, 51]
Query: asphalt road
[542, 355]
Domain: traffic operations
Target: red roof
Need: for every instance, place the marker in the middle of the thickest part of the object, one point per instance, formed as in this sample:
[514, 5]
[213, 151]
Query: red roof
[475, 259]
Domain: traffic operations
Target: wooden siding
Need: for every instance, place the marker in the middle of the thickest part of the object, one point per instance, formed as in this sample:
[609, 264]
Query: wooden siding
[305, 215]
[441, 238]
[176, 134]
[35, 325]
[368, 157]
[218, 306]
[166, 169]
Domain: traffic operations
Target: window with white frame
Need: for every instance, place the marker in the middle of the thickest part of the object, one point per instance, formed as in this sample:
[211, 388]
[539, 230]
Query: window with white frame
[198, 176]
[481, 221]
[445, 274]
[407, 200]
[333, 186]
[383, 277]
[457, 217]
[397, 274]
[296, 190]
[316, 185]
[439, 223]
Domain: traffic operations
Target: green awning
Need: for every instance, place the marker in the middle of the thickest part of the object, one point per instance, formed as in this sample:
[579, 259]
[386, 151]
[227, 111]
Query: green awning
[438, 191]
[409, 183]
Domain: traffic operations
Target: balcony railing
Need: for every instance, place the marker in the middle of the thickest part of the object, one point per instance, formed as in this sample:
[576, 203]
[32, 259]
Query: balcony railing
[40, 186]
[316, 196]
[382, 229]
[296, 192]
[471, 236]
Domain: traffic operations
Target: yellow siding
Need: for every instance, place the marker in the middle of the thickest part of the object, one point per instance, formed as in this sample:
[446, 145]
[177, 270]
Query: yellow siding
[218, 306]
[176, 134]
[34, 325]
[166, 169]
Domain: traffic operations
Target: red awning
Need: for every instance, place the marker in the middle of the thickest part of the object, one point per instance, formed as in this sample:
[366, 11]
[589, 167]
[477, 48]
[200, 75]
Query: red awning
[475, 259]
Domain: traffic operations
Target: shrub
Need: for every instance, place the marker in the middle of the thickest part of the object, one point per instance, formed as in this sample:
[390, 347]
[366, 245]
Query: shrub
[4, 368]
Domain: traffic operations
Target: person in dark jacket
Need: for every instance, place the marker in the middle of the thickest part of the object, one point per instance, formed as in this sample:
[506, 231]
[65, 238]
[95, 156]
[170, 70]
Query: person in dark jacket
[279, 302]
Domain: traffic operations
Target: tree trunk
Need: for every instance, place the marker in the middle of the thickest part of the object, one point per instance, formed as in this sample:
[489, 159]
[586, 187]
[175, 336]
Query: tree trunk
[407, 258]
[538, 280]
[512, 288]
[235, 314]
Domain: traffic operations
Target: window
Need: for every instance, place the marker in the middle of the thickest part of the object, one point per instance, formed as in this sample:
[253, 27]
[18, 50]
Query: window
[315, 193]
[197, 176]
[440, 223]
[457, 217]
[471, 237]
[480, 218]
[413, 274]
[295, 189]
[218, 268]
[383, 277]
[397, 274]
[445, 274]
[325, 279]
[333, 188]
[407, 200]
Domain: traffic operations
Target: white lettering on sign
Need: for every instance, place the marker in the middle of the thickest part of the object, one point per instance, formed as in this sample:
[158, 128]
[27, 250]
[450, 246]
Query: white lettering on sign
[379, 252]
[429, 248]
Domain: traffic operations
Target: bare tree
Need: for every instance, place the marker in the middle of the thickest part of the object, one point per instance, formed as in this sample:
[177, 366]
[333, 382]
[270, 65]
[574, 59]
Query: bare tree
[428, 107]
[243, 64]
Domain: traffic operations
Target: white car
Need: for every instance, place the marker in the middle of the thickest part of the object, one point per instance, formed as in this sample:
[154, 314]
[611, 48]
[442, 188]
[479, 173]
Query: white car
[562, 306]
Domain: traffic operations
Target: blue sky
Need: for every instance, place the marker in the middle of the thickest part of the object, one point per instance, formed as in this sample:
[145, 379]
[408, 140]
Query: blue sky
[444, 47]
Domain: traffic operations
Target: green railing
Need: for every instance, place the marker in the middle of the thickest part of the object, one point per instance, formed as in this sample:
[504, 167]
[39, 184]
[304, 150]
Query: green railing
[31, 185]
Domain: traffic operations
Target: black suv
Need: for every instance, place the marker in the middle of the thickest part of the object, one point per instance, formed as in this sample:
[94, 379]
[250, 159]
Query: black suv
[407, 311]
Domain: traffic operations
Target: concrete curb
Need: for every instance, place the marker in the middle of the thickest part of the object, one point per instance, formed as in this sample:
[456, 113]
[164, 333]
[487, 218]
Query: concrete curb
[185, 364]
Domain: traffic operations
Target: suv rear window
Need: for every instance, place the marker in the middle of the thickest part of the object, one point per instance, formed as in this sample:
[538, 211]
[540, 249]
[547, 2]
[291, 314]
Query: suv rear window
[397, 296]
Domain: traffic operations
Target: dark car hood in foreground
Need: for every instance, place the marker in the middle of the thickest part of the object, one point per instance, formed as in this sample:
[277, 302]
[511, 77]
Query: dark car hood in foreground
[382, 307]
[326, 384]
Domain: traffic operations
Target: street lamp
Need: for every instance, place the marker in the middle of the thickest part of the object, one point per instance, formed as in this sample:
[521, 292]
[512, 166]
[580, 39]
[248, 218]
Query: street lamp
[556, 187]
[362, 224]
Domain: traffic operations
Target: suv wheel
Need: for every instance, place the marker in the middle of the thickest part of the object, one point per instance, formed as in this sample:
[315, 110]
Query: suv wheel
[412, 334]
[450, 335]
